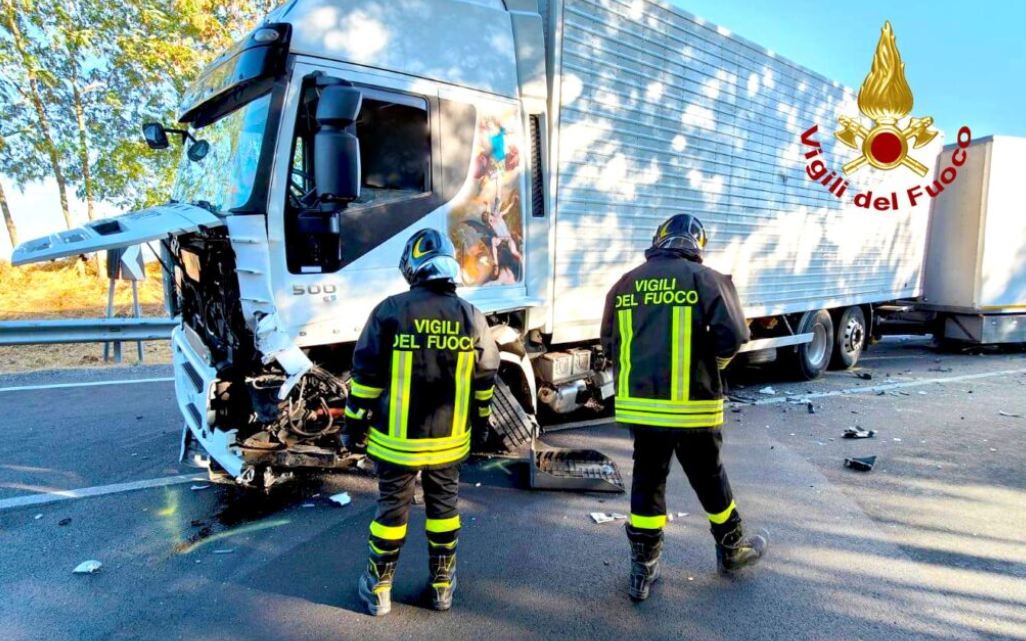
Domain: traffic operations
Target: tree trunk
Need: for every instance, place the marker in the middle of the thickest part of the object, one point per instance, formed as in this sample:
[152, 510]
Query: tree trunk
[12, 230]
[83, 143]
[37, 103]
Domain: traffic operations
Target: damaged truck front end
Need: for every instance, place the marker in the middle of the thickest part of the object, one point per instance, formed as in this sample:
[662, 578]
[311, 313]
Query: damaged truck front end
[252, 401]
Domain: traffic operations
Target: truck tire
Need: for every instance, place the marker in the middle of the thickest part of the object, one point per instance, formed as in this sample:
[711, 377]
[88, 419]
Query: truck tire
[849, 338]
[810, 360]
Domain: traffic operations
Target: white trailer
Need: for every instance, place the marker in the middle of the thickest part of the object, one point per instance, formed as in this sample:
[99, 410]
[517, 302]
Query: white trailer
[975, 275]
[548, 141]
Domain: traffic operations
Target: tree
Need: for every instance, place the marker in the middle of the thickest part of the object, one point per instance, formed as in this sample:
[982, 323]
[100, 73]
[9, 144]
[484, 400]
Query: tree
[29, 84]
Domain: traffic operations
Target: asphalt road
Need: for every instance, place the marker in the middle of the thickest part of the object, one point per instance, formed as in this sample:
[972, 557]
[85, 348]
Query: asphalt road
[929, 545]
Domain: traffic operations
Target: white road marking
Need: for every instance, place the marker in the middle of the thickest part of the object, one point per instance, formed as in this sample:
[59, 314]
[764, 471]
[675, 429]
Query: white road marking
[785, 398]
[100, 490]
[133, 381]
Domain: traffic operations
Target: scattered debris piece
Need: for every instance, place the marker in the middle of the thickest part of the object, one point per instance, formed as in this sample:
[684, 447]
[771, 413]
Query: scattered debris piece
[37, 517]
[601, 517]
[65, 521]
[669, 517]
[197, 488]
[341, 498]
[993, 449]
[811, 407]
[87, 567]
[768, 390]
[940, 369]
[866, 376]
[1009, 414]
[681, 514]
[477, 485]
[308, 505]
[922, 393]
[618, 516]
[904, 393]
[896, 440]
[861, 464]
[605, 562]
[225, 551]
[855, 432]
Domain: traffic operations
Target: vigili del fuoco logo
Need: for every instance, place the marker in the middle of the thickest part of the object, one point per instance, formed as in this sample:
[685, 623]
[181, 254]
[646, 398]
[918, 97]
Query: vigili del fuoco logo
[886, 99]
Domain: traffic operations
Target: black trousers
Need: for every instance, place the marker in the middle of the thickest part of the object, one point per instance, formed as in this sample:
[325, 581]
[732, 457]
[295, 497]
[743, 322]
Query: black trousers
[396, 487]
[698, 451]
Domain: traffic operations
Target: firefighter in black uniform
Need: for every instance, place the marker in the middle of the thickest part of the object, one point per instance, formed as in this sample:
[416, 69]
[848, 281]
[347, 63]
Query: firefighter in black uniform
[670, 326]
[422, 382]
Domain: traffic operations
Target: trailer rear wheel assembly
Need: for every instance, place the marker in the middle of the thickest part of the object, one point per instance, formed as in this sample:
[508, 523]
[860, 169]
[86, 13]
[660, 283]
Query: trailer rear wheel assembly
[850, 338]
[809, 360]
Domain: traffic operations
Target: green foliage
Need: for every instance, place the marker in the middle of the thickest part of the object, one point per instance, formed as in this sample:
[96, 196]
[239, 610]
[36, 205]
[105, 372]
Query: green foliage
[101, 69]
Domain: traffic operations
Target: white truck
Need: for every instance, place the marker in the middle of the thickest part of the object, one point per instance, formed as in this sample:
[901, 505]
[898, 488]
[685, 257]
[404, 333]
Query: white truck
[549, 140]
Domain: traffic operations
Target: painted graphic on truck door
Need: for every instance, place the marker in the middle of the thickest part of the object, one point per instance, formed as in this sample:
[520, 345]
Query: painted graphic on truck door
[486, 225]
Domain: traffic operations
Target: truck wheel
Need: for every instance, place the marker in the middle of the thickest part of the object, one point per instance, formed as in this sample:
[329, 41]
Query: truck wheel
[850, 338]
[810, 360]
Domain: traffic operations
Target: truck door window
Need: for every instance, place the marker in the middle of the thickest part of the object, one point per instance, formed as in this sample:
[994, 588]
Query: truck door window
[396, 170]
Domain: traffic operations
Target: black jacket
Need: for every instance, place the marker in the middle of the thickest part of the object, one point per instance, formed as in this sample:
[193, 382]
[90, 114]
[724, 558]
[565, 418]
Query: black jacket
[423, 375]
[669, 326]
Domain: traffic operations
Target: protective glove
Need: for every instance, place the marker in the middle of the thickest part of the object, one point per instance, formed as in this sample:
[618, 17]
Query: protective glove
[354, 436]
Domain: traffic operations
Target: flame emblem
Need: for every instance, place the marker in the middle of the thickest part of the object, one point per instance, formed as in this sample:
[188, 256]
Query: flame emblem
[886, 98]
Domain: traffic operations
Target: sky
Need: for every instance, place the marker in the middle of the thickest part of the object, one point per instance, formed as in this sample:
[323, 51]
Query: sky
[965, 63]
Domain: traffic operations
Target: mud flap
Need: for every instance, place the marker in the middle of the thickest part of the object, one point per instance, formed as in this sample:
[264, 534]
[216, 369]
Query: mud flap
[551, 468]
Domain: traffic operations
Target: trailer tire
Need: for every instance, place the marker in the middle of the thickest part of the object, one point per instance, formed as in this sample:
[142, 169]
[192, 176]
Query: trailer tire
[849, 338]
[809, 360]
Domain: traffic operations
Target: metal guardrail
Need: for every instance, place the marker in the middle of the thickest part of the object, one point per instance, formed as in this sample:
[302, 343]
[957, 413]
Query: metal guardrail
[99, 330]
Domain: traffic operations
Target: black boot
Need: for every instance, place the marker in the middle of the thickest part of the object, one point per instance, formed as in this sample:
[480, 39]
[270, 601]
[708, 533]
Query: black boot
[646, 546]
[442, 565]
[375, 585]
[735, 550]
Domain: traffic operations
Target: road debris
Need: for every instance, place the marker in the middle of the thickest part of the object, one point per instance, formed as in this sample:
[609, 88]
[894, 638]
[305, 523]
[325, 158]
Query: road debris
[1009, 414]
[343, 499]
[681, 515]
[864, 464]
[225, 551]
[768, 391]
[65, 521]
[940, 369]
[856, 433]
[811, 407]
[866, 376]
[601, 517]
[197, 488]
[37, 517]
[87, 567]
[619, 517]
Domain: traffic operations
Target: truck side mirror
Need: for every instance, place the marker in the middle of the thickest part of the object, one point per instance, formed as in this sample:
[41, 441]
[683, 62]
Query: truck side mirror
[336, 151]
[156, 137]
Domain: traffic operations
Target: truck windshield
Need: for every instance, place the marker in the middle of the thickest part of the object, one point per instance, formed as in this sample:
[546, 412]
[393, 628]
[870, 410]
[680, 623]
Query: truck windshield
[224, 178]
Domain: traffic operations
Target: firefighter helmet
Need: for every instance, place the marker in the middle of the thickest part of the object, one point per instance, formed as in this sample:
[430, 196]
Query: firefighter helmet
[683, 231]
[429, 255]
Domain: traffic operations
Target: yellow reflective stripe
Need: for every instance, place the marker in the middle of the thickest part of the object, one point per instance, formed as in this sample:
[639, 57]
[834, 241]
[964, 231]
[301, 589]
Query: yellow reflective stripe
[485, 394]
[484, 411]
[449, 546]
[378, 550]
[670, 420]
[671, 407]
[357, 414]
[685, 367]
[464, 369]
[388, 532]
[399, 392]
[443, 525]
[626, 336]
[721, 518]
[648, 522]
[417, 460]
[676, 354]
[418, 444]
[364, 391]
[721, 363]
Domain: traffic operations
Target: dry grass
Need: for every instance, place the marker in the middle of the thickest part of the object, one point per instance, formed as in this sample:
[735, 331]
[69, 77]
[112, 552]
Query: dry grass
[72, 289]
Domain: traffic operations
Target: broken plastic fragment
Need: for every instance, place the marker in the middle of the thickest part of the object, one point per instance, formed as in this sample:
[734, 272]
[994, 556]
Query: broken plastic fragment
[866, 376]
[618, 516]
[861, 464]
[1009, 414]
[768, 390]
[681, 514]
[87, 567]
[342, 499]
[601, 517]
[854, 432]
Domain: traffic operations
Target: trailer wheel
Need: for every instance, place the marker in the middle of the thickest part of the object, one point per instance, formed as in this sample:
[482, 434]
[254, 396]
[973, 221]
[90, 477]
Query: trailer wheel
[850, 338]
[809, 360]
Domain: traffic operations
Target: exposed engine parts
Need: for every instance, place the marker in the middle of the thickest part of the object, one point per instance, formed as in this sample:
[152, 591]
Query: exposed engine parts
[576, 378]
